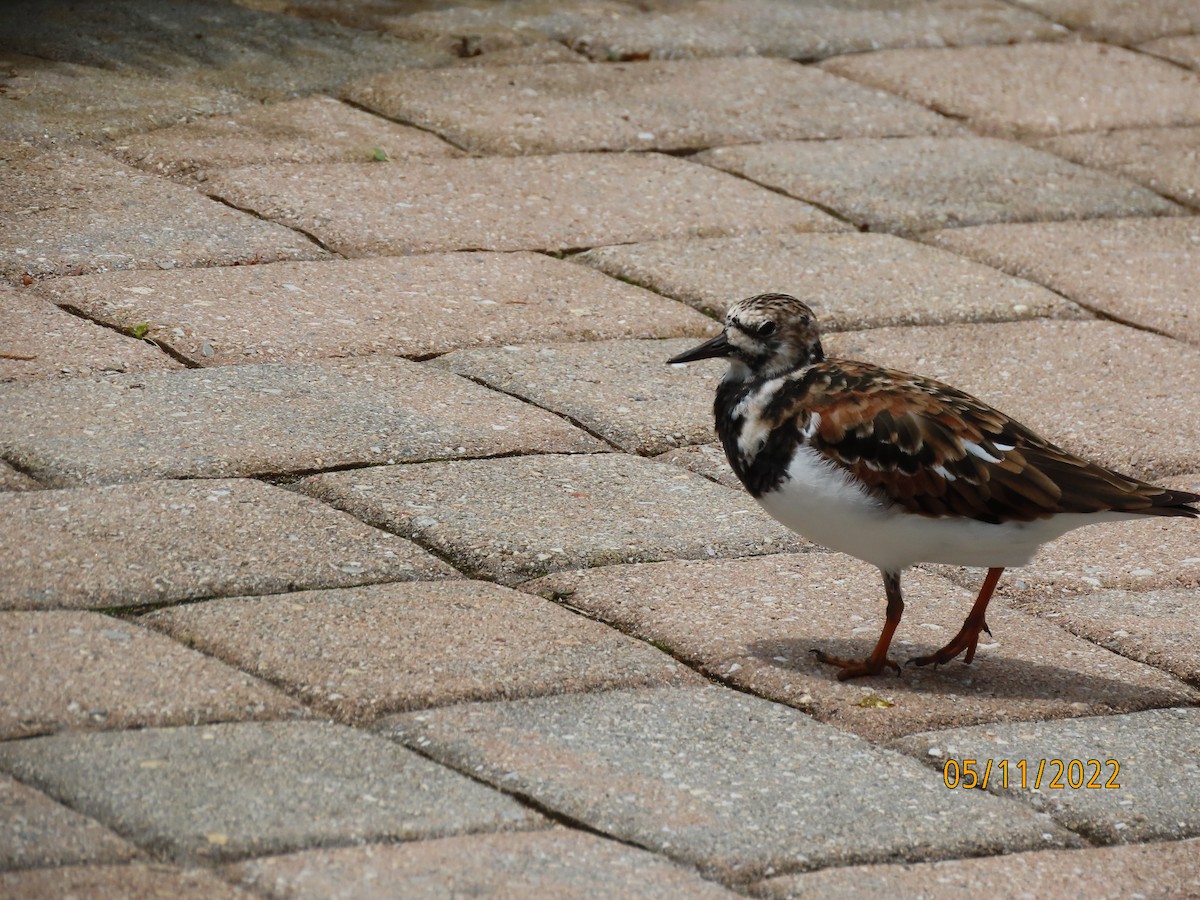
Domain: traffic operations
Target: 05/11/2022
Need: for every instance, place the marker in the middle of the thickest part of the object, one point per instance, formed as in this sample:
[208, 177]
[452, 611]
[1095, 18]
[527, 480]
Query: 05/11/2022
[1054, 774]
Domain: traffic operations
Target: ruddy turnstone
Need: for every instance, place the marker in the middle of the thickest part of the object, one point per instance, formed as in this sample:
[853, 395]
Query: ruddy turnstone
[898, 469]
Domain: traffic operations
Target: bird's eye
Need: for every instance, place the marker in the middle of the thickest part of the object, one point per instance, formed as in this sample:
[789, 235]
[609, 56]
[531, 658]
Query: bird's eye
[765, 329]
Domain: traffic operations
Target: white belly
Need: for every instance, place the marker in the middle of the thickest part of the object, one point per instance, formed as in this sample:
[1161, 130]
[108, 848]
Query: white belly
[824, 504]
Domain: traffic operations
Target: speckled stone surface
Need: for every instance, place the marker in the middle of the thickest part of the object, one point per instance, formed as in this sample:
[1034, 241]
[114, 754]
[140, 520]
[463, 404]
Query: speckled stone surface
[582, 200]
[12, 480]
[62, 670]
[1118, 22]
[359, 653]
[410, 306]
[77, 211]
[704, 459]
[753, 624]
[552, 863]
[850, 280]
[908, 185]
[1028, 89]
[122, 882]
[514, 519]
[1184, 50]
[1156, 752]
[219, 792]
[677, 105]
[729, 783]
[267, 418]
[168, 541]
[1144, 271]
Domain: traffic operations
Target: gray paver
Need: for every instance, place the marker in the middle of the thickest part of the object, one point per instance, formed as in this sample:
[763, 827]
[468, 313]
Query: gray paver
[552, 863]
[1031, 89]
[75, 211]
[312, 129]
[361, 652]
[1144, 271]
[518, 518]
[850, 280]
[1119, 23]
[38, 340]
[1156, 752]
[253, 788]
[136, 881]
[80, 670]
[753, 623]
[561, 202]
[704, 459]
[267, 418]
[1184, 50]
[409, 306]
[36, 831]
[678, 105]
[908, 185]
[621, 390]
[12, 480]
[732, 784]
[168, 541]
[1097, 873]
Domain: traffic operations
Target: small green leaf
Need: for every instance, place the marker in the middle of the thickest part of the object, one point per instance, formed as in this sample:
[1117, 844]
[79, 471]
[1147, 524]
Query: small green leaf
[873, 701]
[140, 330]
[379, 155]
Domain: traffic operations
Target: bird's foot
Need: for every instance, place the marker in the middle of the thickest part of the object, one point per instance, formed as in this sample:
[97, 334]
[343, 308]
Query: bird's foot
[857, 668]
[966, 640]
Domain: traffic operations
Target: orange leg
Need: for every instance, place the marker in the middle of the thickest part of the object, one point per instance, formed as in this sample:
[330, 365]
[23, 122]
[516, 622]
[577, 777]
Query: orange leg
[968, 636]
[878, 660]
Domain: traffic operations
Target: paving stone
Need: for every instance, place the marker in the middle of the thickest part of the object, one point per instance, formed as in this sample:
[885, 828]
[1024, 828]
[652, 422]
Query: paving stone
[620, 390]
[46, 101]
[221, 792]
[753, 624]
[553, 863]
[518, 518]
[266, 418]
[678, 105]
[1097, 873]
[582, 200]
[12, 480]
[1156, 751]
[908, 185]
[1119, 23]
[1163, 159]
[77, 211]
[169, 541]
[1144, 271]
[257, 52]
[851, 280]
[1081, 385]
[1028, 89]
[36, 831]
[1184, 50]
[312, 129]
[80, 670]
[410, 306]
[138, 881]
[39, 340]
[703, 459]
[732, 784]
[361, 652]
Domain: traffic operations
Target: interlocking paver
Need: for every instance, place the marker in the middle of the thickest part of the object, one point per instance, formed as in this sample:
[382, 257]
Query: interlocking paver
[1156, 753]
[244, 420]
[754, 623]
[253, 788]
[38, 340]
[1096, 873]
[1028, 89]
[850, 280]
[1184, 50]
[12, 480]
[560, 202]
[914, 184]
[168, 541]
[361, 652]
[730, 783]
[409, 306]
[1118, 22]
[136, 881]
[80, 670]
[312, 129]
[679, 105]
[552, 863]
[1163, 159]
[36, 831]
[1081, 385]
[1144, 271]
[621, 390]
[74, 211]
[513, 519]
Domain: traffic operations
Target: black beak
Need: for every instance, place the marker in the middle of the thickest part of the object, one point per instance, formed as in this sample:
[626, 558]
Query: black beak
[718, 346]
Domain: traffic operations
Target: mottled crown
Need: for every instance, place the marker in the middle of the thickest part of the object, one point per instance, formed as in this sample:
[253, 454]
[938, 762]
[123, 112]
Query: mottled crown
[773, 333]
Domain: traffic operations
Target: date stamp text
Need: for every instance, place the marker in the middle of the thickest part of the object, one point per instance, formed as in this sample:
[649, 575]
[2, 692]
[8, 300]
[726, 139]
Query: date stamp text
[1036, 774]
